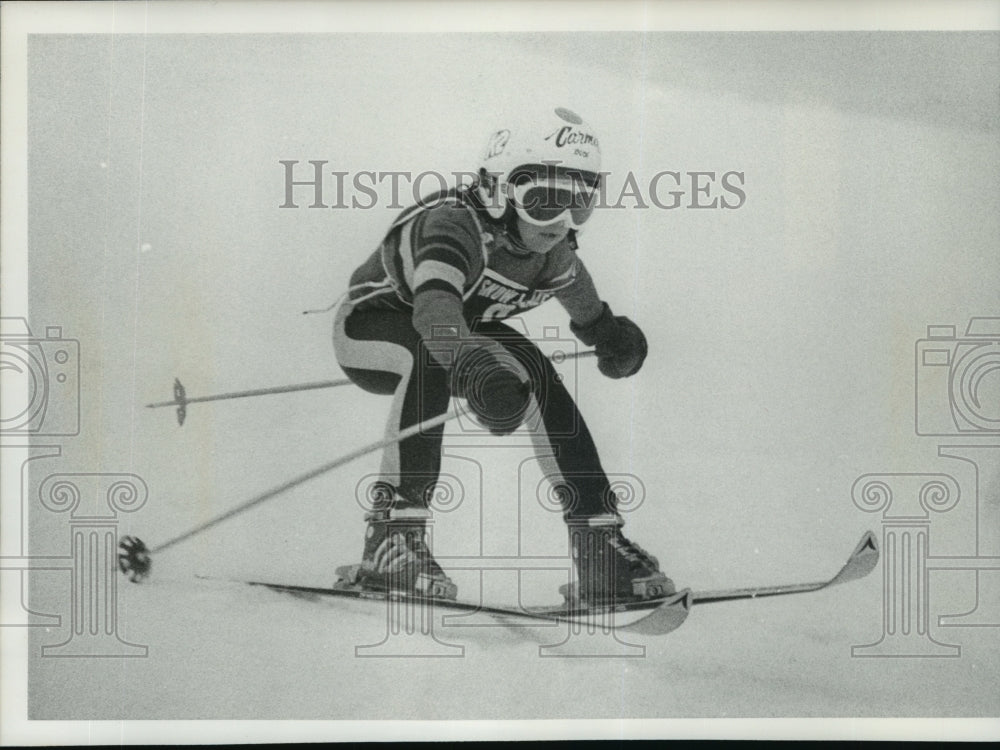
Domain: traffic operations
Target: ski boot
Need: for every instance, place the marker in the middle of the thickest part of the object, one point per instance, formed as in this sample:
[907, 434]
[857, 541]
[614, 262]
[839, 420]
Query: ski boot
[396, 557]
[610, 568]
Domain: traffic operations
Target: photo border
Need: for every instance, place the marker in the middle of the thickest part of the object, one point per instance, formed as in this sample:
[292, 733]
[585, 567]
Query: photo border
[19, 19]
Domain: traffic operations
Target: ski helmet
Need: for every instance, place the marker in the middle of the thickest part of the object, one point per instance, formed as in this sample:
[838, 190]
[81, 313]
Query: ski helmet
[555, 143]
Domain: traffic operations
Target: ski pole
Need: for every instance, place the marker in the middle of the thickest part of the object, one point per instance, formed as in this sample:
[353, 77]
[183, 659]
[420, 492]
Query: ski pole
[302, 478]
[134, 557]
[181, 399]
[560, 357]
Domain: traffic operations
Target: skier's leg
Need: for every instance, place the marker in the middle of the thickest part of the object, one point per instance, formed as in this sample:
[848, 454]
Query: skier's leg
[383, 354]
[609, 565]
[563, 442]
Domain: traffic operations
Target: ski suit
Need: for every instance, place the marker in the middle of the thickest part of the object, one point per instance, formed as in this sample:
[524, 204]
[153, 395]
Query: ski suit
[444, 277]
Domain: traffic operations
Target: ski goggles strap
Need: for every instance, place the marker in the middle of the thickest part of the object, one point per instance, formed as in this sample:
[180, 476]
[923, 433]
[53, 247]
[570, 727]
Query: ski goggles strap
[544, 202]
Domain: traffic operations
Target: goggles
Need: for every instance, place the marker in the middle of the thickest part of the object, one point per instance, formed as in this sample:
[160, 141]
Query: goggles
[545, 202]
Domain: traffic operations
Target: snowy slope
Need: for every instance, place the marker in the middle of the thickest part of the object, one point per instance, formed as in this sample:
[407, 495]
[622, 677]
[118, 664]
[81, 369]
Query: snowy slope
[223, 650]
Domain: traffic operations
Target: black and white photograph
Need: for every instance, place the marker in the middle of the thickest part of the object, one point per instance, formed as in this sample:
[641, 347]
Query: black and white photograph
[501, 370]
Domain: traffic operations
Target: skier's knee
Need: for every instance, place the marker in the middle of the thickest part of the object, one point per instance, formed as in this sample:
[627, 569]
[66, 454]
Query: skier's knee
[378, 382]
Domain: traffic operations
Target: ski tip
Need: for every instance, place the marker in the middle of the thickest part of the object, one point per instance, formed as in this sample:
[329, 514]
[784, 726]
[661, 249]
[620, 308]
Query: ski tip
[669, 615]
[862, 561]
[867, 546]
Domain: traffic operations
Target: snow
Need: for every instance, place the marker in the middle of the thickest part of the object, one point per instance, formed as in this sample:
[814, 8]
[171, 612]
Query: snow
[222, 649]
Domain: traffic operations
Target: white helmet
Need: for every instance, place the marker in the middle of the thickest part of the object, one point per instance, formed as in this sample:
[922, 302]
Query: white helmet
[556, 142]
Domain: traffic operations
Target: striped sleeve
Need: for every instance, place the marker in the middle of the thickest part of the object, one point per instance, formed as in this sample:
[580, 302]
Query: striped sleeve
[447, 250]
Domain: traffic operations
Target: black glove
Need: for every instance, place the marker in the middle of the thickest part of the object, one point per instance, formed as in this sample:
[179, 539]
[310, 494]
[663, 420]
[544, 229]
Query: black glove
[493, 390]
[620, 344]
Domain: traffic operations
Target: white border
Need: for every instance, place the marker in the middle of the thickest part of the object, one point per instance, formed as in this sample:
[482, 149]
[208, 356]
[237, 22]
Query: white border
[19, 19]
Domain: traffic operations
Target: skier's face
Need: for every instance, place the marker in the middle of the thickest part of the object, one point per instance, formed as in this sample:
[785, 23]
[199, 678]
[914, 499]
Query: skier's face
[542, 239]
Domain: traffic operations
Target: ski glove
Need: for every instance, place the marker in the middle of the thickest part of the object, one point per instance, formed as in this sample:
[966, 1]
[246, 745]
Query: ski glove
[620, 344]
[496, 395]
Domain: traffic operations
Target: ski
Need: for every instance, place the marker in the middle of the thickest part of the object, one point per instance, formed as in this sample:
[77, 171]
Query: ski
[649, 616]
[657, 616]
[861, 562]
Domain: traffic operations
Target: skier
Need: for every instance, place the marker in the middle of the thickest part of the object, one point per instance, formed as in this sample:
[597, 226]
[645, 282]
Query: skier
[421, 322]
